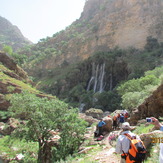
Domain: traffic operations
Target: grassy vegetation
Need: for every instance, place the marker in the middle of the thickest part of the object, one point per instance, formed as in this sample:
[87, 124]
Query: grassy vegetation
[7, 79]
[84, 158]
[142, 129]
[11, 147]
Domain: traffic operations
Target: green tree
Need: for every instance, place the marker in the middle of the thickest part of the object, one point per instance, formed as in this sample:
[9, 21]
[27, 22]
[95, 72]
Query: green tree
[152, 43]
[7, 49]
[43, 115]
[134, 92]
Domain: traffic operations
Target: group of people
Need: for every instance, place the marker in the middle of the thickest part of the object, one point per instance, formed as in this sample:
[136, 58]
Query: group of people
[124, 140]
[119, 119]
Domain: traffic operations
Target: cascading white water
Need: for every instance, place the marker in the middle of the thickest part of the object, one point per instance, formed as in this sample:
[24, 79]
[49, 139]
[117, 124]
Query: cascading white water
[96, 81]
[81, 107]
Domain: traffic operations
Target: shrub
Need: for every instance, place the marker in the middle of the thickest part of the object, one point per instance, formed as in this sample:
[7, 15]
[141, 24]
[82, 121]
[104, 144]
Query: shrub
[43, 115]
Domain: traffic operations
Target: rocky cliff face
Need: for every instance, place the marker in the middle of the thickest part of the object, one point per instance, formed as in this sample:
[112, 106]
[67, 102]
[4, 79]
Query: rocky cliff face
[152, 107]
[125, 23]
[103, 25]
[11, 35]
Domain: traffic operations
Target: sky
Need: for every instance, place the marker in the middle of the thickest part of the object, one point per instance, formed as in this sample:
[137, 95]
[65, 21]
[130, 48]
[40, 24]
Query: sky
[38, 19]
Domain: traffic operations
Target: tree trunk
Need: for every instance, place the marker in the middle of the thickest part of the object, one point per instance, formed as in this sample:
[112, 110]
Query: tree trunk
[44, 153]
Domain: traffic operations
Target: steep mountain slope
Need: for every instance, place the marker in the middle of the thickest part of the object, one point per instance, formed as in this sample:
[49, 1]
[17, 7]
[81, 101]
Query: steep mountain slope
[83, 65]
[11, 35]
[103, 25]
[13, 79]
[151, 107]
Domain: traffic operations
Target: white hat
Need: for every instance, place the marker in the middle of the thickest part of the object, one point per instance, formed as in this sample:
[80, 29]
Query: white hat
[126, 125]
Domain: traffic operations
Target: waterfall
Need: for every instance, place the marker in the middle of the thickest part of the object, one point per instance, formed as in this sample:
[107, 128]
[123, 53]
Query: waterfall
[81, 107]
[96, 81]
[101, 78]
[96, 78]
[111, 81]
[90, 82]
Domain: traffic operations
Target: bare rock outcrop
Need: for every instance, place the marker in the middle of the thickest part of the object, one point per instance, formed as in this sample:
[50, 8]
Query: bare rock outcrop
[9, 127]
[152, 107]
[88, 119]
[108, 126]
[149, 137]
[105, 24]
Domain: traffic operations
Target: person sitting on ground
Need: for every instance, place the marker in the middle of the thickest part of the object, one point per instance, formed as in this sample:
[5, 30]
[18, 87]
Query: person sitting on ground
[100, 125]
[123, 143]
[158, 125]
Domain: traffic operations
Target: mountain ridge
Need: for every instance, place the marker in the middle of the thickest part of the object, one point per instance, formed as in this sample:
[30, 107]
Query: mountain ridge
[103, 25]
[11, 35]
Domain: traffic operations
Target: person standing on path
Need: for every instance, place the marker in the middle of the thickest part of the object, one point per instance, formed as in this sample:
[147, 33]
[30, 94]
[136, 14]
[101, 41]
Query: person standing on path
[123, 143]
[121, 120]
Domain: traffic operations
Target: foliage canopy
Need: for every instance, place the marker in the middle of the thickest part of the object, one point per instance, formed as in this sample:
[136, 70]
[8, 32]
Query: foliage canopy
[42, 116]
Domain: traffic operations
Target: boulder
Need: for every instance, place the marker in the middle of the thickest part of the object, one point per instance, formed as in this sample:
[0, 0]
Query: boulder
[95, 113]
[9, 127]
[147, 137]
[152, 107]
[109, 123]
[88, 119]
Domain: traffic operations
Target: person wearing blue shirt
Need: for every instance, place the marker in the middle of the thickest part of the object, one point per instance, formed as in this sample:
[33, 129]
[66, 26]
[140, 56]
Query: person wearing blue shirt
[121, 120]
[100, 125]
[158, 125]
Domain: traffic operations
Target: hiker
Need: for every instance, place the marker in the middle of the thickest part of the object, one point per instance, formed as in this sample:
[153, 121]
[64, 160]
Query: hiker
[121, 120]
[118, 119]
[126, 115]
[123, 142]
[100, 125]
[114, 122]
[158, 125]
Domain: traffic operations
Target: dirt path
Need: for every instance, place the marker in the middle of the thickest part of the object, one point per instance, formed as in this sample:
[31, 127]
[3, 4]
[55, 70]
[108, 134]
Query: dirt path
[107, 155]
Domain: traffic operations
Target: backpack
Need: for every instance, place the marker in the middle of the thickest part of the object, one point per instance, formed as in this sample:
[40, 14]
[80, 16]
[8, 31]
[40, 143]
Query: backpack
[137, 151]
[114, 118]
[122, 119]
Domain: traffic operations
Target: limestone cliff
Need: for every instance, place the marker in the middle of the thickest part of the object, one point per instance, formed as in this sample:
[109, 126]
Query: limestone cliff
[152, 107]
[125, 23]
[103, 25]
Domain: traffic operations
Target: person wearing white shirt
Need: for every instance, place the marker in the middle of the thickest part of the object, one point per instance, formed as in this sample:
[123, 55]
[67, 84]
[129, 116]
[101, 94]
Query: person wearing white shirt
[123, 143]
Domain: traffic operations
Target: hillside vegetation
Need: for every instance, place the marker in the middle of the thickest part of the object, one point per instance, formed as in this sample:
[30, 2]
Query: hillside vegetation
[73, 84]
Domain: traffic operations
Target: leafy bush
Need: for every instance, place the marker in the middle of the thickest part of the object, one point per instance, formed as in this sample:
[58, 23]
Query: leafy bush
[44, 115]
[133, 92]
